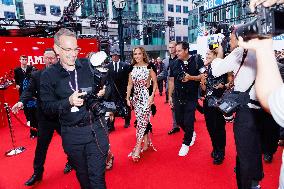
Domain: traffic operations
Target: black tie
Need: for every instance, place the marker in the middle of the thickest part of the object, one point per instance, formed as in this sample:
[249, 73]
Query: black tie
[115, 66]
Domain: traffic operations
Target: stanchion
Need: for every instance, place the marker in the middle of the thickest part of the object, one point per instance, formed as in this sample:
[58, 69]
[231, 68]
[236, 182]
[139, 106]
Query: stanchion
[15, 150]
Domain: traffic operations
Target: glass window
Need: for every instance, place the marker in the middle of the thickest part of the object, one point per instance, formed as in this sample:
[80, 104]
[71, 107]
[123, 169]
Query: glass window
[170, 18]
[185, 21]
[40, 9]
[55, 10]
[7, 2]
[9, 15]
[185, 0]
[178, 38]
[178, 8]
[170, 7]
[185, 9]
[185, 38]
[178, 20]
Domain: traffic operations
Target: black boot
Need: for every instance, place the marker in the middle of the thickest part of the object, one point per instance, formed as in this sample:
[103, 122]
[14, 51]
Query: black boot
[34, 178]
[218, 157]
[67, 168]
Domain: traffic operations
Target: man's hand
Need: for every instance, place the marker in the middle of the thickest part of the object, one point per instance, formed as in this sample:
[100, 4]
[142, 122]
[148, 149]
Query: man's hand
[18, 87]
[256, 44]
[219, 86]
[102, 92]
[171, 102]
[128, 102]
[186, 78]
[17, 107]
[265, 3]
[75, 99]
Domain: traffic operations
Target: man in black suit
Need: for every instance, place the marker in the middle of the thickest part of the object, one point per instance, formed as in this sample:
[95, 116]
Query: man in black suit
[20, 73]
[47, 124]
[118, 72]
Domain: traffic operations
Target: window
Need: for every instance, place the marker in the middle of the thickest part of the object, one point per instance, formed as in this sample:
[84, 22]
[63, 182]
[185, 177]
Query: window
[185, 39]
[185, 21]
[55, 10]
[7, 2]
[9, 15]
[170, 18]
[185, 0]
[185, 9]
[40, 9]
[170, 7]
[178, 38]
[178, 20]
[178, 8]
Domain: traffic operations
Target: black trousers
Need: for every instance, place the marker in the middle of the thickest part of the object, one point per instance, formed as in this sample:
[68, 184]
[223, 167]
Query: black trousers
[45, 133]
[215, 124]
[31, 114]
[160, 86]
[184, 114]
[250, 128]
[87, 148]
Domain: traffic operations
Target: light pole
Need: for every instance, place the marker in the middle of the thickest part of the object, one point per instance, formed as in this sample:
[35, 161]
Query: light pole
[119, 6]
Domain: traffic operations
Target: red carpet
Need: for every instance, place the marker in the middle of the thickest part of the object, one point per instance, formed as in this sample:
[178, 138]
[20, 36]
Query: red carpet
[161, 169]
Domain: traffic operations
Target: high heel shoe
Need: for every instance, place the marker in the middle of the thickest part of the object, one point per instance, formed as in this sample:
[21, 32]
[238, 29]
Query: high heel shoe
[135, 158]
[150, 146]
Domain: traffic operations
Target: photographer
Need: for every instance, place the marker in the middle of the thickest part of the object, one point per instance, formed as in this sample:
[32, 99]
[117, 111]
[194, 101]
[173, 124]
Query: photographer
[269, 85]
[251, 122]
[183, 91]
[215, 122]
[84, 134]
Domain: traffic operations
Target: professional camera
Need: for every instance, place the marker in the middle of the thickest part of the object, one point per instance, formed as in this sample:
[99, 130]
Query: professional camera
[93, 102]
[184, 68]
[220, 35]
[269, 22]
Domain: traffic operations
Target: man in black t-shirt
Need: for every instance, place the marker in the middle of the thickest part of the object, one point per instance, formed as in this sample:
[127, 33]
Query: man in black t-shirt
[184, 81]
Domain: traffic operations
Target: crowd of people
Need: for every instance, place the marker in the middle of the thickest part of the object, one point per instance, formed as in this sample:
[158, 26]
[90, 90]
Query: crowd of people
[56, 99]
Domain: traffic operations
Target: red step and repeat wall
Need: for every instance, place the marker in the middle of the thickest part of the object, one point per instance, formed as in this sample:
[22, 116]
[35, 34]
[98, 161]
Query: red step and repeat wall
[11, 48]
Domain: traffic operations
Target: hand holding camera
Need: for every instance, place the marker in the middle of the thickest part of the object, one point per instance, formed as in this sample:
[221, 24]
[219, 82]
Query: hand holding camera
[75, 99]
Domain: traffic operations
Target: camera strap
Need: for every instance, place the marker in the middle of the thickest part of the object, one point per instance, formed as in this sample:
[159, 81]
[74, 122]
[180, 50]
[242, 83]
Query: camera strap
[242, 62]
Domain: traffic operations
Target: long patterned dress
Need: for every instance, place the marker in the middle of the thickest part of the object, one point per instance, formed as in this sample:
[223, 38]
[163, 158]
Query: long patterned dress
[140, 75]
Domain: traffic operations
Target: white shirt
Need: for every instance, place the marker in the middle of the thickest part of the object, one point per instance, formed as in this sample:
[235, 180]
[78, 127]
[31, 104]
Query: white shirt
[117, 65]
[246, 75]
[276, 105]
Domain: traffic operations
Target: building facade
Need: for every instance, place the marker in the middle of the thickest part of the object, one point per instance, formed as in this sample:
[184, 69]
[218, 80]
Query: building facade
[8, 9]
[207, 15]
[178, 11]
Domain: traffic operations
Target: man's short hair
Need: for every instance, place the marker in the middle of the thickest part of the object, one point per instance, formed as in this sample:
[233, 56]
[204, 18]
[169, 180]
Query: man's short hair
[173, 43]
[63, 32]
[47, 50]
[184, 45]
[23, 56]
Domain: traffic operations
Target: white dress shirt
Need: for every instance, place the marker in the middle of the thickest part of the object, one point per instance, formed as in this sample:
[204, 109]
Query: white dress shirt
[246, 75]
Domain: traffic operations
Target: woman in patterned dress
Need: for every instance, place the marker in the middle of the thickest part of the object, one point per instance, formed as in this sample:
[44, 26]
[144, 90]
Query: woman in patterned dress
[139, 79]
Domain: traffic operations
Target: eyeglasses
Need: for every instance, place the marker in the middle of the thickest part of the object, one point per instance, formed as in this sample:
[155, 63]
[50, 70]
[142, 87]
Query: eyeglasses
[69, 50]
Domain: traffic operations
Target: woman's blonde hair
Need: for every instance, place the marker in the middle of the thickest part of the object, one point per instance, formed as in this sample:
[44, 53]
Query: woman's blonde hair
[145, 56]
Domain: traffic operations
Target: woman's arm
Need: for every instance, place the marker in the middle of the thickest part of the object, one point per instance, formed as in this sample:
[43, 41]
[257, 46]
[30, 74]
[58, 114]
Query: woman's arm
[155, 86]
[129, 88]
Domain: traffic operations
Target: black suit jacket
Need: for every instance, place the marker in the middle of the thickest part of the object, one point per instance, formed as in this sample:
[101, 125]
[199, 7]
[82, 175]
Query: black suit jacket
[20, 75]
[33, 91]
[120, 78]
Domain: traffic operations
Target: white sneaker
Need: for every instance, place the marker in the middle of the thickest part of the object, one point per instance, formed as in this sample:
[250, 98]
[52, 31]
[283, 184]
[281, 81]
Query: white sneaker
[29, 123]
[183, 150]
[193, 139]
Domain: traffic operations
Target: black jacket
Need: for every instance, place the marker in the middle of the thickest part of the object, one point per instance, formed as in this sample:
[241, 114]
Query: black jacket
[120, 78]
[55, 91]
[33, 91]
[20, 75]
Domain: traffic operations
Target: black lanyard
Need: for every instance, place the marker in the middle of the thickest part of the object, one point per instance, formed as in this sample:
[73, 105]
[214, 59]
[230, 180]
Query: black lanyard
[76, 81]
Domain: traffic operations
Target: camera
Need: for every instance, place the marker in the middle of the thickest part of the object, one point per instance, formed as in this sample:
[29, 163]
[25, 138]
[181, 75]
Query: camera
[268, 23]
[221, 34]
